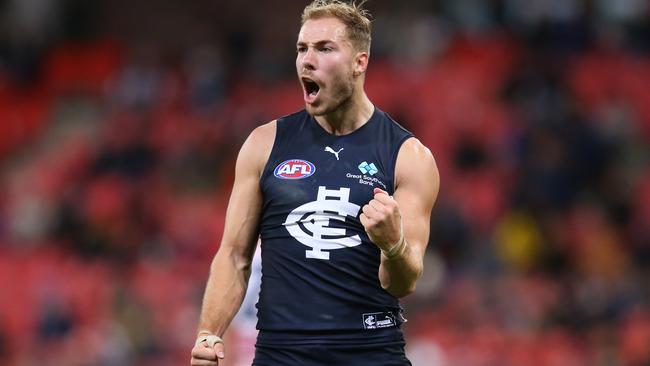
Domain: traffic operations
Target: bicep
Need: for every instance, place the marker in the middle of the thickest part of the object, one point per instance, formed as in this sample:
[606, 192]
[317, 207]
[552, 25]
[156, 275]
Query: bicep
[242, 215]
[244, 207]
[416, 191]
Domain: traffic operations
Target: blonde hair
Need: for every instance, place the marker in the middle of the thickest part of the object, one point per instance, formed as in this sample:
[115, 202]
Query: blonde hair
[356, 19]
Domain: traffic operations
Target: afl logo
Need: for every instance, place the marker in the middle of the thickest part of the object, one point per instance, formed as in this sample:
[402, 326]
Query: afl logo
[294, 169]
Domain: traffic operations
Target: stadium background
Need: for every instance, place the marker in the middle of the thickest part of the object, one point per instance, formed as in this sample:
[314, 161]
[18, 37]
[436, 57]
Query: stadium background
[120, 122]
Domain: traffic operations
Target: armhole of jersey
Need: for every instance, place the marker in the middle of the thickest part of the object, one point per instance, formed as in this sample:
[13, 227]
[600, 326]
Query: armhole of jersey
[394, 158]
[270, 157]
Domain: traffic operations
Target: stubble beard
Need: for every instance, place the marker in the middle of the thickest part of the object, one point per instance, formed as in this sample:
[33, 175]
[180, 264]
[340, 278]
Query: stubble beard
[342, 91]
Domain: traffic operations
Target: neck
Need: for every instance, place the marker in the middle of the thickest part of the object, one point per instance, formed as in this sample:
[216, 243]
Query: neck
[349, 116]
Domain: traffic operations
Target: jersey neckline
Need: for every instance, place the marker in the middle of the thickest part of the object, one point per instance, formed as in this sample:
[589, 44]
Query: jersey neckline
[373, 117]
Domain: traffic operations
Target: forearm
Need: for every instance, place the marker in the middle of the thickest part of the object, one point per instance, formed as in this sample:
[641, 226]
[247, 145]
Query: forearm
[224, 292]
[399, 274]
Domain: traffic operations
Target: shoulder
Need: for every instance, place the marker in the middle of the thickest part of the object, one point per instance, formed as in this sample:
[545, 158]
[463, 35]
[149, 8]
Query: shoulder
[412, 147]
[415, 163]
[256, 149]
[263, 134]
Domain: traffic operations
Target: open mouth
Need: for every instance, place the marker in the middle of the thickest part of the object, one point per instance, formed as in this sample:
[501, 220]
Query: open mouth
[311, 89]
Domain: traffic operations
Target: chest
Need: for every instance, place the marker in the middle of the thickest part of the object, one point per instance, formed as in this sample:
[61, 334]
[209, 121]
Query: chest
[328, 171]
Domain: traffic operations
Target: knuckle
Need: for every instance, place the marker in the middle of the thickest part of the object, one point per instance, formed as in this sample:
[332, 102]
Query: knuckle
[381, 214]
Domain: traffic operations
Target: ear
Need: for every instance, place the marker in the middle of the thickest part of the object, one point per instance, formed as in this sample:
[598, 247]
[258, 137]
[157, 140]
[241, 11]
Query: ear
[360, 63]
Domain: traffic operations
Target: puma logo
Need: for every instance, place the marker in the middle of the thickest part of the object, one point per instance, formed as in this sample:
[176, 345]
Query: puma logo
[336, 153]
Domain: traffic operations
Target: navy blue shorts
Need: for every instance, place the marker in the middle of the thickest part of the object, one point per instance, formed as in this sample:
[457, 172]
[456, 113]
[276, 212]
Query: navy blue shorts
[331, 355]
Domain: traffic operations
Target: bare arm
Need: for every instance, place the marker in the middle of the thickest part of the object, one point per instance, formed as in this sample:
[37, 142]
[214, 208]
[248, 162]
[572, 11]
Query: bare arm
[399, 225]
[231, 265]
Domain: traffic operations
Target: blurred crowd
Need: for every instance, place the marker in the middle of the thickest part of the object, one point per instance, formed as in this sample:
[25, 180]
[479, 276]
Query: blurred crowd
[120, 122]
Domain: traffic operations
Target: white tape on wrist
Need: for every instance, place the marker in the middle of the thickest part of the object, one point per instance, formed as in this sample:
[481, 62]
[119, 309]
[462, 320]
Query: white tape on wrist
[210, 339]
[396, 249]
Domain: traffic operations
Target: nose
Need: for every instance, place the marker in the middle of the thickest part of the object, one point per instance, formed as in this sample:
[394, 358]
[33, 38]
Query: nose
[308, 62]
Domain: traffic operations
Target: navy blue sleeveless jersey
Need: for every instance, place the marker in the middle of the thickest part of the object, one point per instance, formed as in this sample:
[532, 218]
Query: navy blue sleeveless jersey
[319, 268]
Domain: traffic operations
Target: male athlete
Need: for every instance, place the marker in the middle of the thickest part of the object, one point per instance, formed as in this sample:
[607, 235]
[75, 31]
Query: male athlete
[341, 196]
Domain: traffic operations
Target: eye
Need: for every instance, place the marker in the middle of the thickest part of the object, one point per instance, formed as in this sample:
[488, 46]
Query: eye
[301, 49]
[326, 49]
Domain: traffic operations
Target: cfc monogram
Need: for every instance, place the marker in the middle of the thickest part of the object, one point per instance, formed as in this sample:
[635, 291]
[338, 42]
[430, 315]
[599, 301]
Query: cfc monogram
[309, 223]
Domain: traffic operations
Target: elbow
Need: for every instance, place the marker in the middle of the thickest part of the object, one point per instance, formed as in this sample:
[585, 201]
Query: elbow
[401, 283]
[403, 292]
[409, 287]
[228, 260]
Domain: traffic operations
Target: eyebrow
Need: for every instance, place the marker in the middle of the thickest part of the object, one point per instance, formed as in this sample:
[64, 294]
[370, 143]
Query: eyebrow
[316, 44]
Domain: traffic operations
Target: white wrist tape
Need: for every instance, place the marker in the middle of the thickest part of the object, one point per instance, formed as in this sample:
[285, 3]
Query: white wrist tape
[210, 339]
[396, 249]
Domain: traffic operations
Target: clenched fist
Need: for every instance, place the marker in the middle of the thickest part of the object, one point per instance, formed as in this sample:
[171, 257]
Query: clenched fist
[207, 351]
[382, 220]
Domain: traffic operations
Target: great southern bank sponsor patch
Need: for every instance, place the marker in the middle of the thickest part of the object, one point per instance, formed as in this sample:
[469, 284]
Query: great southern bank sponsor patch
[294, 169]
